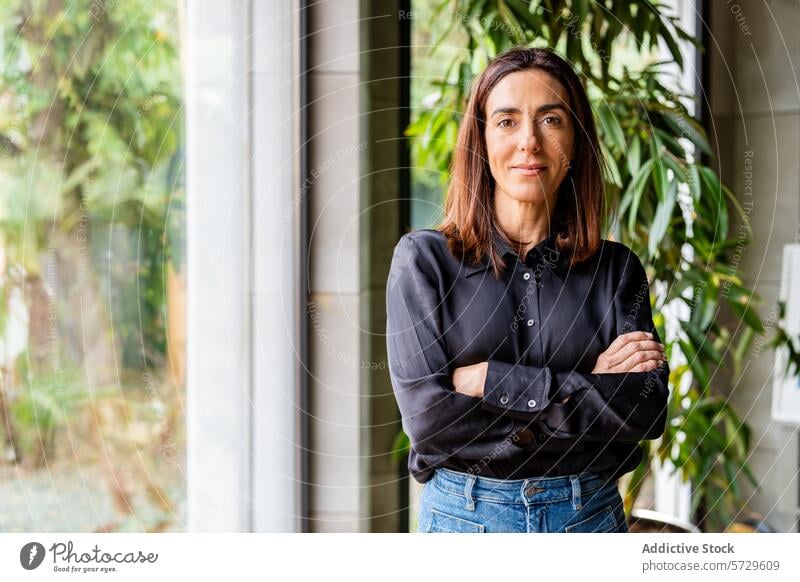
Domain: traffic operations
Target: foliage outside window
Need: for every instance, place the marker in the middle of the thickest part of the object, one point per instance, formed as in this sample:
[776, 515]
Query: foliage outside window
[91, 265]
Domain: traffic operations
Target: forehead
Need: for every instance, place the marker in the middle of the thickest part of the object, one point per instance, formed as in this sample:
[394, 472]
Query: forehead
[528, 88]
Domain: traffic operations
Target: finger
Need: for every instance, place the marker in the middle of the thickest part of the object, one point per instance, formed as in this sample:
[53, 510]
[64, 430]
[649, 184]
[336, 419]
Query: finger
[633, 347]
[645, 366]
[641, 357]
[626, 338]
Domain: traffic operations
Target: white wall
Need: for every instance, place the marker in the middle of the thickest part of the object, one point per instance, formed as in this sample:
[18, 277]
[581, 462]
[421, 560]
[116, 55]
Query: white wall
[755, 101]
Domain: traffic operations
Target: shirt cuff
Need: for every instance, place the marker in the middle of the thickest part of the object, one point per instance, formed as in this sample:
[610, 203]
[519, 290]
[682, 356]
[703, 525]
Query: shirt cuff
[517, 390]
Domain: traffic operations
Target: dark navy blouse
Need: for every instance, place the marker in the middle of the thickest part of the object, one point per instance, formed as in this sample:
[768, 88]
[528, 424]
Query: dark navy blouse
[541, 327]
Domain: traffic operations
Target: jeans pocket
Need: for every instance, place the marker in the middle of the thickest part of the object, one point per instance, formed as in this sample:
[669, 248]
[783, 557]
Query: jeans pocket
[599, 522]
[445, 523]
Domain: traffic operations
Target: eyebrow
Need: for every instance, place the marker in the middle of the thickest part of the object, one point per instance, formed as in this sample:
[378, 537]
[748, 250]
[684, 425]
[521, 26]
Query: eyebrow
[540, 109]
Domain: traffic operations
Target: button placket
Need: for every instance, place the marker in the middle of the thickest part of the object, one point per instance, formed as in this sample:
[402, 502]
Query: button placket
[536, 311]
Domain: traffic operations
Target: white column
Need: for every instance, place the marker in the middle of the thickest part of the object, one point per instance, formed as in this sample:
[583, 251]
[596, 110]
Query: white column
[242, 290]
[276, 256]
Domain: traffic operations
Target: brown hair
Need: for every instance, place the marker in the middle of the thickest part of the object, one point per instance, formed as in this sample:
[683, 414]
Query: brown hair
[470, 223]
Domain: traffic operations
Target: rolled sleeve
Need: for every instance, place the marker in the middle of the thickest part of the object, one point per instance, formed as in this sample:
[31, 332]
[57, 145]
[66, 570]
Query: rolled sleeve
[518, 391]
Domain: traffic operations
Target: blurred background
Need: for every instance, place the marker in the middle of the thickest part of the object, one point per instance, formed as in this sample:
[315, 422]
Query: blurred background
[199, 202]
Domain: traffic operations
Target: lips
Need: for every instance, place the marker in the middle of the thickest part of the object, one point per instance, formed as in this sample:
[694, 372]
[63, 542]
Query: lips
[529, 169]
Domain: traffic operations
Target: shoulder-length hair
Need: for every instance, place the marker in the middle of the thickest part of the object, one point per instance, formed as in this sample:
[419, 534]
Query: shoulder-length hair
[469, 219]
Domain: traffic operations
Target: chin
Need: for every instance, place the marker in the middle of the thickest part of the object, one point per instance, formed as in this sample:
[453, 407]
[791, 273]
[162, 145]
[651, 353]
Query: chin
[534, 195]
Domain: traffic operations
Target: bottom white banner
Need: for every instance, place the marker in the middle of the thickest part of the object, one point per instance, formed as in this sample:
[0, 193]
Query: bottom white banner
[400, 557]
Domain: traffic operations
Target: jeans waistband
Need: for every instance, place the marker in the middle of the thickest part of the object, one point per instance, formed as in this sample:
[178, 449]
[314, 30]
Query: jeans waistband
[528, 491]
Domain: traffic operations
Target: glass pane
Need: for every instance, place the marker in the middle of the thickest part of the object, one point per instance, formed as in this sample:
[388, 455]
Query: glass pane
[428, 185]
[92, 343]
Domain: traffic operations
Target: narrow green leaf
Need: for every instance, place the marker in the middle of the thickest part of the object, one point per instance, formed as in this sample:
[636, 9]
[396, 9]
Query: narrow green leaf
[659, 172]
[610, 125]
[662, 218]
[637, 186]
[634, 155]
[748, 316]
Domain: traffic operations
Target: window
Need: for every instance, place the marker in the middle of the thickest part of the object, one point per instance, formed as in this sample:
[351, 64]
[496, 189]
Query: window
[92, 343]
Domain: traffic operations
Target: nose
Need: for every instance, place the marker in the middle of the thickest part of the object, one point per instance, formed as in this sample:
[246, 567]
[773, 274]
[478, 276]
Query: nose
[530, 140]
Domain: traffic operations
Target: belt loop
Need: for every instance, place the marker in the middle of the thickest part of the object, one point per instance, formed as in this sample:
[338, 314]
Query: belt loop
[468, 492]
[576, 492]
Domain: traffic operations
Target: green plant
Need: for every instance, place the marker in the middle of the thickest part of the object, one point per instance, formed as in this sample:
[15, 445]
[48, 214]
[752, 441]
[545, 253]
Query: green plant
[669, 206]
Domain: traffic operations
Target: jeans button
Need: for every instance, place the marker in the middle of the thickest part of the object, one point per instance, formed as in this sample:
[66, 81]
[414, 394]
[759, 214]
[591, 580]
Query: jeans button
[531, 490]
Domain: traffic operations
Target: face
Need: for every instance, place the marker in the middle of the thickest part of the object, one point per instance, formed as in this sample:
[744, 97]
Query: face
[529, 136]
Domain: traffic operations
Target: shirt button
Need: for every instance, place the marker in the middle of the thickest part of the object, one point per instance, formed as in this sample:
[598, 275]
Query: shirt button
[526, 276]
[531, 403]
[504, 399]
[530, 322]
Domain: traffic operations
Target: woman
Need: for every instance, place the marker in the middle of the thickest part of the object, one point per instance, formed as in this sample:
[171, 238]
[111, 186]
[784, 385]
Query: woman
[522, 349]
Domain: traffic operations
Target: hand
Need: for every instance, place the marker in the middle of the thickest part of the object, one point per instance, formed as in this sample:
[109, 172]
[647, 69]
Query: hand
[469, 380]
[636, 351]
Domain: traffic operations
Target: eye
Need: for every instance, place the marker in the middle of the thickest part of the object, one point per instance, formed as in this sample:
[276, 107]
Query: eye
[555, 119]
[502, 123]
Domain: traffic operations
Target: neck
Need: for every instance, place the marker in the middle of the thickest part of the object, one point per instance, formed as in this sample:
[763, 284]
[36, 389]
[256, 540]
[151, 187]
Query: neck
[525, 221]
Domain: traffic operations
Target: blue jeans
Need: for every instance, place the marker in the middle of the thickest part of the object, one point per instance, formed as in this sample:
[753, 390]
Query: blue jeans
[460, 502]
